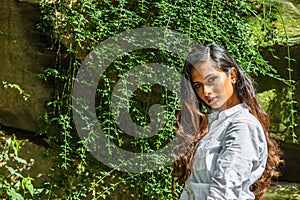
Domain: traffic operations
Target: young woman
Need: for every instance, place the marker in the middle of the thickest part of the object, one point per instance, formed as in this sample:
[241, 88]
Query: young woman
[227, 154]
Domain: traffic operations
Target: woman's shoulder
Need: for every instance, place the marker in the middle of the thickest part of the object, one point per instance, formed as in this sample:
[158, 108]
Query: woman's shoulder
[244, 122]
[245, 116]
[246, 131]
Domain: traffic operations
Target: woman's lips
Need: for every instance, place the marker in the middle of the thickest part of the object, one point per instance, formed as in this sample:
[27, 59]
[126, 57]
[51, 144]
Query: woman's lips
[209, 100]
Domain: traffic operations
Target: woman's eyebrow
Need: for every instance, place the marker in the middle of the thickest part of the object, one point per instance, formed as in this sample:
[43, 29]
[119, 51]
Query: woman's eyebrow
[194, 82]
[206, 77]
[209, 75]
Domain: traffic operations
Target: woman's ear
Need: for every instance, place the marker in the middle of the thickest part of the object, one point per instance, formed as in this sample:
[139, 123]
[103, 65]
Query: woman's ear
[233, 75]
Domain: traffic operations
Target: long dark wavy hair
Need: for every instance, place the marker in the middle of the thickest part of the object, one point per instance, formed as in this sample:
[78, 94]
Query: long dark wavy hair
[193, 124]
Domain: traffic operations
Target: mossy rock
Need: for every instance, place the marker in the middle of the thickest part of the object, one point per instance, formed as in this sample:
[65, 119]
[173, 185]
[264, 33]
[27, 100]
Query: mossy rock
[284, 191]
[290, 21]
[276, 104]
[286, 24]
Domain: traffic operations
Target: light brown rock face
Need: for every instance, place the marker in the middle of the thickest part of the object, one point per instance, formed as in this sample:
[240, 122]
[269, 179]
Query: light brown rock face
[289, 22]
[23, 55]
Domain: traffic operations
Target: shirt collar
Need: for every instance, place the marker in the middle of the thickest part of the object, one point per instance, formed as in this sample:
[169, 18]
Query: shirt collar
[225, 113]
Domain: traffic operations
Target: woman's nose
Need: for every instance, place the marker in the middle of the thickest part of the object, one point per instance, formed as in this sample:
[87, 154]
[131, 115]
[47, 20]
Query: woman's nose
[206, 90]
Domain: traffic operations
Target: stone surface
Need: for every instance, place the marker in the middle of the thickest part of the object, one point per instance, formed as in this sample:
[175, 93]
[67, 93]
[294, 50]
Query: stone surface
[290, 21]
[32, 149]
[272, 95]
[290, 170]
[23, 55]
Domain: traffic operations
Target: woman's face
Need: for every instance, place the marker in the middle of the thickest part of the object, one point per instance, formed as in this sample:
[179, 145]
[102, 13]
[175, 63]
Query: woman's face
[214, 87]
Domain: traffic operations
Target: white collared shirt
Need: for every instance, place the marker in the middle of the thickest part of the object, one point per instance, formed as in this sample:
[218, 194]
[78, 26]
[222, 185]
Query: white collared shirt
[229, 159]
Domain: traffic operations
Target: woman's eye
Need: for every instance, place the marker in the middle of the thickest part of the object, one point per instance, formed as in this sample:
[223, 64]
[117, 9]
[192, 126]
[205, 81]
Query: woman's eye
[211, 79]
[197, 85]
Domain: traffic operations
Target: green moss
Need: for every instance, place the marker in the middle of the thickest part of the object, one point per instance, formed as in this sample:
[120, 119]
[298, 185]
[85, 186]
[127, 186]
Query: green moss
[287, 16]
[276, 104]
[292, 26]
[284, 191]
[265, 98]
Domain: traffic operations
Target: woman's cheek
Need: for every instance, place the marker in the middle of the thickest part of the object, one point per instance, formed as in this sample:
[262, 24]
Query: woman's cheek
[219, 88]
[202, 97]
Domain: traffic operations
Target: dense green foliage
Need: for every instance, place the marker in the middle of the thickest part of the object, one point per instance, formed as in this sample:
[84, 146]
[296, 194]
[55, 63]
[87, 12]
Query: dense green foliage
[77, 27]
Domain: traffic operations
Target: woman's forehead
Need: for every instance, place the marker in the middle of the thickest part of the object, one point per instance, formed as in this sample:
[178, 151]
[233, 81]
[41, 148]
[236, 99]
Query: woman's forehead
[205, 69]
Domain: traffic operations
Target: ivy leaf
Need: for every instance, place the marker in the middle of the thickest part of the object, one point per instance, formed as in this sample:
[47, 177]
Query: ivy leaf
[29, 187]
[14, 194]
[20, 160]
[13, 172]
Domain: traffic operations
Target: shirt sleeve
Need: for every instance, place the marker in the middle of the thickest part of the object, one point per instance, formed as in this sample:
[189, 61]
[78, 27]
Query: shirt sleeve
[242, 146]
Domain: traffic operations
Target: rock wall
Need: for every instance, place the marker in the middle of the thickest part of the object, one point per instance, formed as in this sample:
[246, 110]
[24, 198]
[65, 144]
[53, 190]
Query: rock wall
[272, 95]
[23, 56]
[290, 15]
